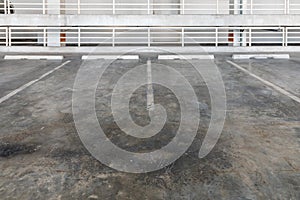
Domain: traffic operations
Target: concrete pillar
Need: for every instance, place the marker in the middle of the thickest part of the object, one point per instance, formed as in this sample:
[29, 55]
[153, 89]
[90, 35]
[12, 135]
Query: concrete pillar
[53, 35]
[239, 7]
[169, 10]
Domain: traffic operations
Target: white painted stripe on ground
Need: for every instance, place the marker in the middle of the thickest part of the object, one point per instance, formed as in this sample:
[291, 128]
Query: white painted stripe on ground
[29, 57]
[183, 57]
[150, 97]
[110, 57]
[23, 87]
[268, 83]
[260, 56]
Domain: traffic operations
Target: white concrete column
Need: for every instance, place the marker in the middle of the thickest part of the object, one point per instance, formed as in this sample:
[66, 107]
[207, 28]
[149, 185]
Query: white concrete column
[240, 36]
[172, 9]
[53, 35]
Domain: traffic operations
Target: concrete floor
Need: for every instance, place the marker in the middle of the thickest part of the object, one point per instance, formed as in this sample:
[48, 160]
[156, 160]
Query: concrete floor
[257, 156]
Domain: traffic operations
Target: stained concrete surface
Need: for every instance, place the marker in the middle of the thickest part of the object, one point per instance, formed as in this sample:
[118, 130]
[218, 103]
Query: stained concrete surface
[280, 72]
[14, 74]
[257, 156]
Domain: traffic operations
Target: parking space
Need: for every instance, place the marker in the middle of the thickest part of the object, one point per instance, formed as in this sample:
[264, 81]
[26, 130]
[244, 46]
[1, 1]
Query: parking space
[284, 73]
[256, 157]
[15, 73]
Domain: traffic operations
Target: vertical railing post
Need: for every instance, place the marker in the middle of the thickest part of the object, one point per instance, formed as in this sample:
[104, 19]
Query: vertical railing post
[9, 36]
[149, 37]
[250, 37]
[44, 37]
[286, 36]
[182, 37]
[217, 36]
[217, 7]
[287, 6]
[114, 6]
[4, 7]
[113, 37]
[251, 7]
[6, 36]
[44, 7]
[183, 7]
[283, 36]
[79, 37]
[8, 7]
[148, 7]
[78, 7]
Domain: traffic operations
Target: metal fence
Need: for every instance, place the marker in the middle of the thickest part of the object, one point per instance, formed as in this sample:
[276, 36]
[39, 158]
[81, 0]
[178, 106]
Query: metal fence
[151, 7]
[149, 36]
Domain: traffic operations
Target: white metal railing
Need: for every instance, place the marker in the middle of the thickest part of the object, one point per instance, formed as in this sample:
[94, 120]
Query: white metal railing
[149, 7]
[4, 36]
[149, 36]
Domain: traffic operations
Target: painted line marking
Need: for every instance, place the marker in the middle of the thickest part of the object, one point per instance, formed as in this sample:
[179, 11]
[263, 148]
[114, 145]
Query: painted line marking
[185, 57]
[150, 97]
[275, 87]
[29, 57]
[110, 57]
[23, 87]
[260, 56]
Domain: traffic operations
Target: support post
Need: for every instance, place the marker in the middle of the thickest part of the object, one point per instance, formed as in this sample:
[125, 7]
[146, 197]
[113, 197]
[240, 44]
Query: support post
[78, 7]
[44, 37]
[79, 37]
[250, 37]
[6, 36]
[113, 37]
[53, 34]
[283, 37]
[149, 37]
[182, 37]
[44, 7]
[114, 6]
[8, 7]
[217, 37]
[286, 36]
[5, 7]
[9, 36]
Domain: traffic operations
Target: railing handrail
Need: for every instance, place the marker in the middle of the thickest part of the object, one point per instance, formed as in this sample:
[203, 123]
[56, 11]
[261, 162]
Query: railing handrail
[184, 7]
[151, 36]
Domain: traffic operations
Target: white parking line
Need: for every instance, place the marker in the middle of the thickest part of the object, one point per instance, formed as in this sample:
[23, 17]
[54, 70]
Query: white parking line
[183, 57]
[29, 57]
[260, 56]
[110, 57]
[23, 87]
[150, 97]
[275, 87]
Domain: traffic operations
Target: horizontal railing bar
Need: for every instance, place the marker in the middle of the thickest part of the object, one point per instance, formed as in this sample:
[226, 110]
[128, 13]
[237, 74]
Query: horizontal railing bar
[113, 7]
[215, 36]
